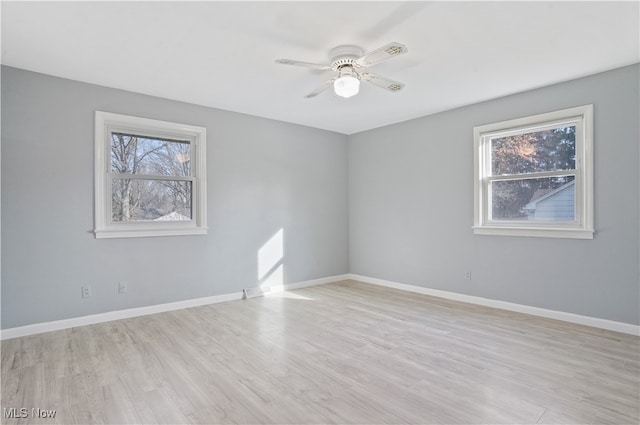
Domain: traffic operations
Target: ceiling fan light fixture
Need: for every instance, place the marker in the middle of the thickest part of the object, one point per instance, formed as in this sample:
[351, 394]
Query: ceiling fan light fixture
[347, 84]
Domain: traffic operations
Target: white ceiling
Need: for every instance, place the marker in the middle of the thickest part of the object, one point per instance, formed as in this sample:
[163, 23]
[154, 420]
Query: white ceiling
[221, 54]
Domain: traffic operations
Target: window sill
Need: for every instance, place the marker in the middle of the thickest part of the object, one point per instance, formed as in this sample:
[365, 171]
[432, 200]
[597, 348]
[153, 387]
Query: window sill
[145, 233]
[535, 232]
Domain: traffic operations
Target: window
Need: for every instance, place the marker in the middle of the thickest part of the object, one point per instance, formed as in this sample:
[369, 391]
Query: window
[534, 175]
[150, 177]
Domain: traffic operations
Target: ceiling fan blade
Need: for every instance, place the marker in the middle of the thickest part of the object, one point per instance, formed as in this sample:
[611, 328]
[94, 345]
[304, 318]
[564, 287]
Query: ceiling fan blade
[304, 64]
[383, 53]
[322, 88]
[385, 83]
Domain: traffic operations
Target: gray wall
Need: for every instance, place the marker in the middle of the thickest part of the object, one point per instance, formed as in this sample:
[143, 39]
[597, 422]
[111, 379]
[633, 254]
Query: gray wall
[263, 175]
[405, 217]
[411, 207]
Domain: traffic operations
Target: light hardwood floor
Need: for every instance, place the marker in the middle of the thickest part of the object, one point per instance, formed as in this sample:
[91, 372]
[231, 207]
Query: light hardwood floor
[345, 352]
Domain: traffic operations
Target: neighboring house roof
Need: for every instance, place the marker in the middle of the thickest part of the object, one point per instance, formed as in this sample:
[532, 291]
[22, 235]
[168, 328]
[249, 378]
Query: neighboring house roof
[542, 194]
[539, 193]
[174, 216]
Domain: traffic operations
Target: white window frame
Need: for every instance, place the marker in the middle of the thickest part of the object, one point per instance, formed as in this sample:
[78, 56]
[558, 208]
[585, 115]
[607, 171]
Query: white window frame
[582, 227]
[107, 123]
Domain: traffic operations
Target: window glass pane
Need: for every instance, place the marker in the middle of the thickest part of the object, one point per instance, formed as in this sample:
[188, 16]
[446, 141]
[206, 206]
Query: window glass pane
[143, 155]
[159, 200]
[546, 150]
[547, 199]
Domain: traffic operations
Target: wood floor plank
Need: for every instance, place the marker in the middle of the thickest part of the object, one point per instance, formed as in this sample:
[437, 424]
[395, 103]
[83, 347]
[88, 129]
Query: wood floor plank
[345, 352]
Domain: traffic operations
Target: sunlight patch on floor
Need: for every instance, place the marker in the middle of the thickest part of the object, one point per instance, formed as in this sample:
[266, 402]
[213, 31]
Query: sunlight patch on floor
[281, 293]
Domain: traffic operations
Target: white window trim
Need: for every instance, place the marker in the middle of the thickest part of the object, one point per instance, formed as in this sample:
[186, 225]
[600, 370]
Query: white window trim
[107, 122]
[583, 227]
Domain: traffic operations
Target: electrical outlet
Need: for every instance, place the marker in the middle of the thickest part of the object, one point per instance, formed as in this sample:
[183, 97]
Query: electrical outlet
[86, 291]
[123, 287]
[467, 276]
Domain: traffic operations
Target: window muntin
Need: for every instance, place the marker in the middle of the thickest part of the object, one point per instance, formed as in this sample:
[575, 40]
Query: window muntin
[150, 177]
[534, 175]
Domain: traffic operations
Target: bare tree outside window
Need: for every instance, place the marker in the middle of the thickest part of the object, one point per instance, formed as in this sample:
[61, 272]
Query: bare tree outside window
[150, 187]
[539, 151]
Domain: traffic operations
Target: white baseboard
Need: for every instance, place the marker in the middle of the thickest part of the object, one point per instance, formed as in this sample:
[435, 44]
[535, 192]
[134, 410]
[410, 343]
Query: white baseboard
[37, 328]
[143, 311]
[314, 282]
[595, 322]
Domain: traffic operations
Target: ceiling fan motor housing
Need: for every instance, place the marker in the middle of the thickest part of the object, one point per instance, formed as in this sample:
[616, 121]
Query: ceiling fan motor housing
[345, 56]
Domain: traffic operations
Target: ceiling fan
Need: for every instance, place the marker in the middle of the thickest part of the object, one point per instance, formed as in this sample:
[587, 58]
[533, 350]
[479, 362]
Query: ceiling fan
[349, 63]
